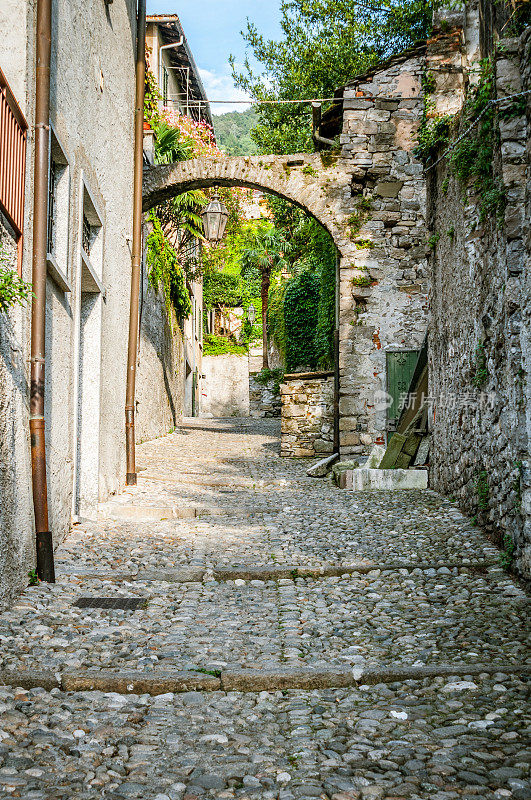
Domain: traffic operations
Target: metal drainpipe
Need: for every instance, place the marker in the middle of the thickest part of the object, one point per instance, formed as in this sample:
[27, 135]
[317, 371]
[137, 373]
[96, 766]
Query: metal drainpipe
[161, 65]
[44, 541]
[136, 249]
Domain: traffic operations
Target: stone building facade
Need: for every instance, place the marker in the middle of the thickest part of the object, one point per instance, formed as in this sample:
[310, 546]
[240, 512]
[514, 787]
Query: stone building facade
[88, 282]
[182, 95]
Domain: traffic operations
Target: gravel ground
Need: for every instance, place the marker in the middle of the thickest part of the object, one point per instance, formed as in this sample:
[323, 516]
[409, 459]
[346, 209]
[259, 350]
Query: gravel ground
[443, 738]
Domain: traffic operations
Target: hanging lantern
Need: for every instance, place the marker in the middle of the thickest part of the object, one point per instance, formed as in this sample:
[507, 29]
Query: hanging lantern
[251, 314]
[215, 218]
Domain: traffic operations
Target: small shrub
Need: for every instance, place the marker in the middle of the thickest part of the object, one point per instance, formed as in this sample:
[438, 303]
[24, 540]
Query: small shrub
[362, 280]
[270, 375]
[507, 554]
[481, 372]
[482, 489]
[33, 578]
[364, 244]
[13, 290]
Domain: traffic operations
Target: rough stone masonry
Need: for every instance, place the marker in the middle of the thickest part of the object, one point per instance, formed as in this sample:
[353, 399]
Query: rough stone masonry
[480, 349]
[307, 415]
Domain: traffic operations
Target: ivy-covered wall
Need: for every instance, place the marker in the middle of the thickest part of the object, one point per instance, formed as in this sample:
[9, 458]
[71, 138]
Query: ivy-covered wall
[480, 349]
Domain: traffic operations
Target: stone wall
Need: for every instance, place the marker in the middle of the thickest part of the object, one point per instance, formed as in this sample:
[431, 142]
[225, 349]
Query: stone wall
[264, 399]
[225, 386]
[159, 397]
[384, 282]
[307, 416]
[17, 548]
[480, 352]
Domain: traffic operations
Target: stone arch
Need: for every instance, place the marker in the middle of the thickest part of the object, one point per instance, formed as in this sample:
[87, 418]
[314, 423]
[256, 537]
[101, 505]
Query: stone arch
[303, 179]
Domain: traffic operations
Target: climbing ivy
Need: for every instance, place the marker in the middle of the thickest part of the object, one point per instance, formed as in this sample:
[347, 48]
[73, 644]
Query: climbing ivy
[311, 250]
[472, 159]
[301, 306]
[481, 486]
[481, 372]
[165, 271]
[275, 315]
[326, 313]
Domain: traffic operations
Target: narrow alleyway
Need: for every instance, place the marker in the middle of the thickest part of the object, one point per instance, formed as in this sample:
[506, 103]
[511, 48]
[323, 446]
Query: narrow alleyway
[261, 591]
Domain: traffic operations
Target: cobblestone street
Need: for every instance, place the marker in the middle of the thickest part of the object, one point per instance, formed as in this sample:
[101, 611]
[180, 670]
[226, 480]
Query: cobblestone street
[292, 640]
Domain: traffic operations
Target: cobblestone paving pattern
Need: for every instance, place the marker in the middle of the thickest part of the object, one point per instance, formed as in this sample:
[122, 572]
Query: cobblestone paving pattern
[456, 737]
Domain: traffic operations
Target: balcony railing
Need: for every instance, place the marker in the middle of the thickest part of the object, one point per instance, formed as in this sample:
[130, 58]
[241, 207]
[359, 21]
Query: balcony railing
[13, 132]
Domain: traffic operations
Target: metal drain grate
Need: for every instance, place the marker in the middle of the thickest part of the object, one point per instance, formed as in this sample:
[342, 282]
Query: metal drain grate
[124, 603]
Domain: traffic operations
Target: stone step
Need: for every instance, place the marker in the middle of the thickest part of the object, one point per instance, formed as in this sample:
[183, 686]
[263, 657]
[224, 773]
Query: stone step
[291, 572]
[249, 680]
[138, 513]
[362, 480]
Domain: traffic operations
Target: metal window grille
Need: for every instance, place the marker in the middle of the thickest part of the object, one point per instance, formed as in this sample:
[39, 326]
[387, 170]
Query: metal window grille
[13, 131]
[52, 186]
[86, 235]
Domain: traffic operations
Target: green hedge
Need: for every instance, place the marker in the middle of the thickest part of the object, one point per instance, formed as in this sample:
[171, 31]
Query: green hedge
[221, 346]
[301, 307]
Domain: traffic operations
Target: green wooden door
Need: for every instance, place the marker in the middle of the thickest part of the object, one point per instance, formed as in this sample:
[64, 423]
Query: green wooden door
[400, 369]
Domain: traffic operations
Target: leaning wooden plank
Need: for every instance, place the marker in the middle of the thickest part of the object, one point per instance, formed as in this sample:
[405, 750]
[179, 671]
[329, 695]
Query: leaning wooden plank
[394, 448]
[412, 444]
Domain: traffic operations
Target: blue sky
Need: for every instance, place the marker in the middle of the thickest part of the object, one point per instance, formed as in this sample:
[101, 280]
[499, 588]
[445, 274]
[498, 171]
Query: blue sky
[212, 28]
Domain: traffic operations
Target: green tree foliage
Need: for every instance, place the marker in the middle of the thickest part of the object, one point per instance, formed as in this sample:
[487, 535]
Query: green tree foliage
[223, 284]
[262, 257]
[221, 290]
[324, 44]
[233, 132]
[326, 314]
[301, 305]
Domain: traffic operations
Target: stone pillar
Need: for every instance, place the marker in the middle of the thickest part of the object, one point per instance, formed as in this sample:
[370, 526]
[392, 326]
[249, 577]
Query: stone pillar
[307, 415]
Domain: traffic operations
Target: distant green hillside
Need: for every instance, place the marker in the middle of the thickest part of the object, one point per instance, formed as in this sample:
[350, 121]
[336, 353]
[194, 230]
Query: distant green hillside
[233, 132]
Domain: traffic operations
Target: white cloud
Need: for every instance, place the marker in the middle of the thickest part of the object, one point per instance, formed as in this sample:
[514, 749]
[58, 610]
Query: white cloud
[221, 87]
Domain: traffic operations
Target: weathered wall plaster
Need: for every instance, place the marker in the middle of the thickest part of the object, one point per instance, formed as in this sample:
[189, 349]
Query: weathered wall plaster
[225, 390]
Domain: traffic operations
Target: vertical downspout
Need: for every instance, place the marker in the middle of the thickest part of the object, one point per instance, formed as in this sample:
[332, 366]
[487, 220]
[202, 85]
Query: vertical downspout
[136, 250]
[44, 542]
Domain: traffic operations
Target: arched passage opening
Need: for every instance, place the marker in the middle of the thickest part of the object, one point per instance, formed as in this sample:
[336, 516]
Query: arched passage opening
[304, 181]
